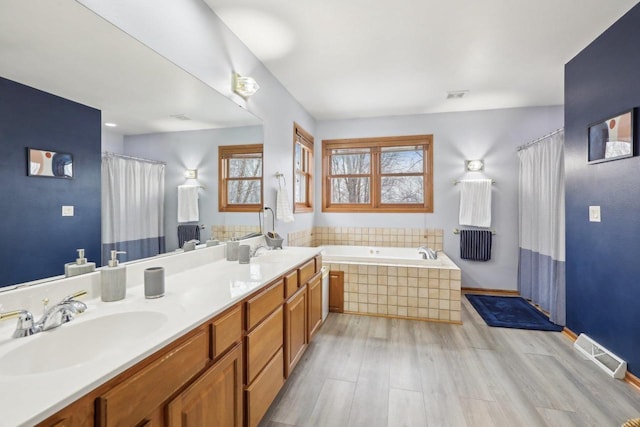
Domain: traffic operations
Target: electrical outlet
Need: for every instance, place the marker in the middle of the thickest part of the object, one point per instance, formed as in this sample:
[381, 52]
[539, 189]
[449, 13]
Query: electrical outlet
[594, 214]
[67, 211]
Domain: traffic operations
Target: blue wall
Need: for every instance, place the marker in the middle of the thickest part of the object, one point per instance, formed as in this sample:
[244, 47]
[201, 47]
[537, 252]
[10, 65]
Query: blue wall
[35, 240]
[603, 259]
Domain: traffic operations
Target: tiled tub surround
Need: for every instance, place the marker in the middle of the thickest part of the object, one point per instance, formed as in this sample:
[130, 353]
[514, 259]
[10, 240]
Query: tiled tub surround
[228, 232]
[363, 236]
[398, 288]
[301, 238]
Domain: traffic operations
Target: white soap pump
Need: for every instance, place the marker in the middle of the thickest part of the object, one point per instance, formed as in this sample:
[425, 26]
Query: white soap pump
[113, 279]
[81, 266]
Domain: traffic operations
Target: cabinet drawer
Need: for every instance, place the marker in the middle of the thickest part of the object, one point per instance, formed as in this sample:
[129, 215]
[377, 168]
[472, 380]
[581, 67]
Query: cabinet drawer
[306, 271]
[264, 389]
[290, 284]
[263, 342]
[264, 303]
[227, 330]
[129, 402]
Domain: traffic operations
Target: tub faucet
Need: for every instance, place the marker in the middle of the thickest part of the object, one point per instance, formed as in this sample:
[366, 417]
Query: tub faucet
[428, 253]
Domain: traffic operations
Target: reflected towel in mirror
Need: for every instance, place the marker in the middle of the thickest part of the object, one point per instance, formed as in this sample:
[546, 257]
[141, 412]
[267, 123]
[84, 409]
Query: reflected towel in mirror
[188, 203]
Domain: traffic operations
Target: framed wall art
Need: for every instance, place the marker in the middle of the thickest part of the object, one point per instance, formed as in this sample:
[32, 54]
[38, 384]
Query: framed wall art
[612, 139]
[49, 163]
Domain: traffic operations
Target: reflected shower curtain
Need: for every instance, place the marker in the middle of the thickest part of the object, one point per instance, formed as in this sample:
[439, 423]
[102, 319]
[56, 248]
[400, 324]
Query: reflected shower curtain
[132, 207]
[541, 264]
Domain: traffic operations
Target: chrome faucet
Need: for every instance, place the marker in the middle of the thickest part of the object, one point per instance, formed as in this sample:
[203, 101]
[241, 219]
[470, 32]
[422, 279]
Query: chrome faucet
[190, 245]
[61, 313]
[254, 253]
[428, 253]
[25, 326]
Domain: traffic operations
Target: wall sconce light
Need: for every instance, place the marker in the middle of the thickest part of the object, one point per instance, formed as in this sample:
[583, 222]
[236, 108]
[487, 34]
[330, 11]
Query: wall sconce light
[191, 174]
[244, 86]
[473, 165]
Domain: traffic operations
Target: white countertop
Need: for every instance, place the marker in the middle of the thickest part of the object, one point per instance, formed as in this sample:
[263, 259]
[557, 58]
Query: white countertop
[193, 295]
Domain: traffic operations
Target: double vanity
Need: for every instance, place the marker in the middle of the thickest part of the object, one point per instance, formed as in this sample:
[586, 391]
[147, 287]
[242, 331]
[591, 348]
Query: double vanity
[215, 350]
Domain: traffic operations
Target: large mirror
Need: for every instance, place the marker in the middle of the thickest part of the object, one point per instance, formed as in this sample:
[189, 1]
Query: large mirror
[52, 53]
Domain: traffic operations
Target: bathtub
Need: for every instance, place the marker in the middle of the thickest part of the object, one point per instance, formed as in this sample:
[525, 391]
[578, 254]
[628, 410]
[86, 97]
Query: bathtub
[396, 282]
[382, 256]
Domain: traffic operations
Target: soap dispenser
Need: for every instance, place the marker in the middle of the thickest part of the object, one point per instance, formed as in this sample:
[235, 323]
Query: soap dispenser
[113, 279]
[81, 266]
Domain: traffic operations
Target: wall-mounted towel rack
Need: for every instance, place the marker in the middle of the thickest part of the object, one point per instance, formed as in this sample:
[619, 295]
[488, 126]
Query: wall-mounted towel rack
[458, 181]
[204, 187]
[281, 175]
[457, 231]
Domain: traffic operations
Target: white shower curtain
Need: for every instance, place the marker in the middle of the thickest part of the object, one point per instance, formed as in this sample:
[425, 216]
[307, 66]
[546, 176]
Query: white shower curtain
[132, 207]
[541, 265]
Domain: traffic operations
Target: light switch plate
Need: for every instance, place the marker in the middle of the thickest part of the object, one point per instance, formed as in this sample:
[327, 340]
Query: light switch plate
[67, 211]
[594, 214]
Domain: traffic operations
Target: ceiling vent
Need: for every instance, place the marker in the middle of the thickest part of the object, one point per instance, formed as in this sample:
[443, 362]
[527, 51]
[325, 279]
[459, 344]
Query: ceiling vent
[180, 117]
[456, 94]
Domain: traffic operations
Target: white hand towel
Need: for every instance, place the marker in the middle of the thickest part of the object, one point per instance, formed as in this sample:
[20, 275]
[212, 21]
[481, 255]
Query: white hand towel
[475, 203]
[188, 203]
[283, 208]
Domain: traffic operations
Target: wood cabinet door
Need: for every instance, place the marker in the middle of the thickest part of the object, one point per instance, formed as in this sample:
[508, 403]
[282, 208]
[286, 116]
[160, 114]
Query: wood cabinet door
[315, 305]
[295, 329]
[336, 291]
[214, 399]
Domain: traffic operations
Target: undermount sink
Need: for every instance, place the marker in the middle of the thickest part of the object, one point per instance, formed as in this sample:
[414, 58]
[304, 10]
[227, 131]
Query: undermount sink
[76, 343]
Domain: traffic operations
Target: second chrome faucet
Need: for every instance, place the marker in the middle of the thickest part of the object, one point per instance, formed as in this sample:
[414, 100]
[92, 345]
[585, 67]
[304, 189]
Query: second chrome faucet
[60, 313]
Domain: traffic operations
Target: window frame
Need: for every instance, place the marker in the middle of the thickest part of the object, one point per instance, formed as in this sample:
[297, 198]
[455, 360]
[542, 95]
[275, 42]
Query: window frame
[226, 152]
[305, 140]
[375, 144]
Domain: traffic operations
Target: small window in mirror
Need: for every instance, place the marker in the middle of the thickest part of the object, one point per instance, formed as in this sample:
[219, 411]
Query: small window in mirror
[302, 170]
[240, 178]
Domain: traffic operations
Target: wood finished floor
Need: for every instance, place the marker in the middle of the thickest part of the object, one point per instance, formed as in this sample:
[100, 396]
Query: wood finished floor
[369, 371]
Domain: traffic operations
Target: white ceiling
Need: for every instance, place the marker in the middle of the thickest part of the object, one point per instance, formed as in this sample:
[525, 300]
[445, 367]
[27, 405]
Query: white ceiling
[363, 58]
[63, 48]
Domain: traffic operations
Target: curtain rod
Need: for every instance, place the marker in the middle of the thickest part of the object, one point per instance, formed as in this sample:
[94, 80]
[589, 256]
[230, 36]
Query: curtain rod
[535, 141]
[157, 162]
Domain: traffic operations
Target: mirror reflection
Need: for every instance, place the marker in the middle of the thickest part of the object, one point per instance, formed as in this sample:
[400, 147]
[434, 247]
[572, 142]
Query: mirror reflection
[94, 74]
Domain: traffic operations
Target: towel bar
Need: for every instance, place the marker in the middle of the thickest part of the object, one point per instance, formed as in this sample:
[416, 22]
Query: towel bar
[458, 181]
[457, 231]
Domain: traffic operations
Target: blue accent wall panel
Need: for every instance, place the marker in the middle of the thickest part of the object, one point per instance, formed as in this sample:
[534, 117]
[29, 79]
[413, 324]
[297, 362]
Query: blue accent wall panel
[35, 240]
[603, 259]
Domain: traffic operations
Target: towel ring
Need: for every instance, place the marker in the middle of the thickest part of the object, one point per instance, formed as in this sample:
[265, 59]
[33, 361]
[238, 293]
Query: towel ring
[281, 175]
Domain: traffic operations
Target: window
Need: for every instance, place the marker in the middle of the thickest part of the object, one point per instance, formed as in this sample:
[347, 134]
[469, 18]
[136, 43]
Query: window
[240, 178]
[393, 174]
[302, 170]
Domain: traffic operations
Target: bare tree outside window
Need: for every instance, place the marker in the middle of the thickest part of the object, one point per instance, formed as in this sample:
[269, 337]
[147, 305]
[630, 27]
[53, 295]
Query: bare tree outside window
[378, 174]
[303, 146]
[240, 179]
[244, 191]
[402, 179]
[350, 170]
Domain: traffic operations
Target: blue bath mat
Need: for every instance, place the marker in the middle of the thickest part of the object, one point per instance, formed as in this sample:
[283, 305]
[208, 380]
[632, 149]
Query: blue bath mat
[511, 312]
